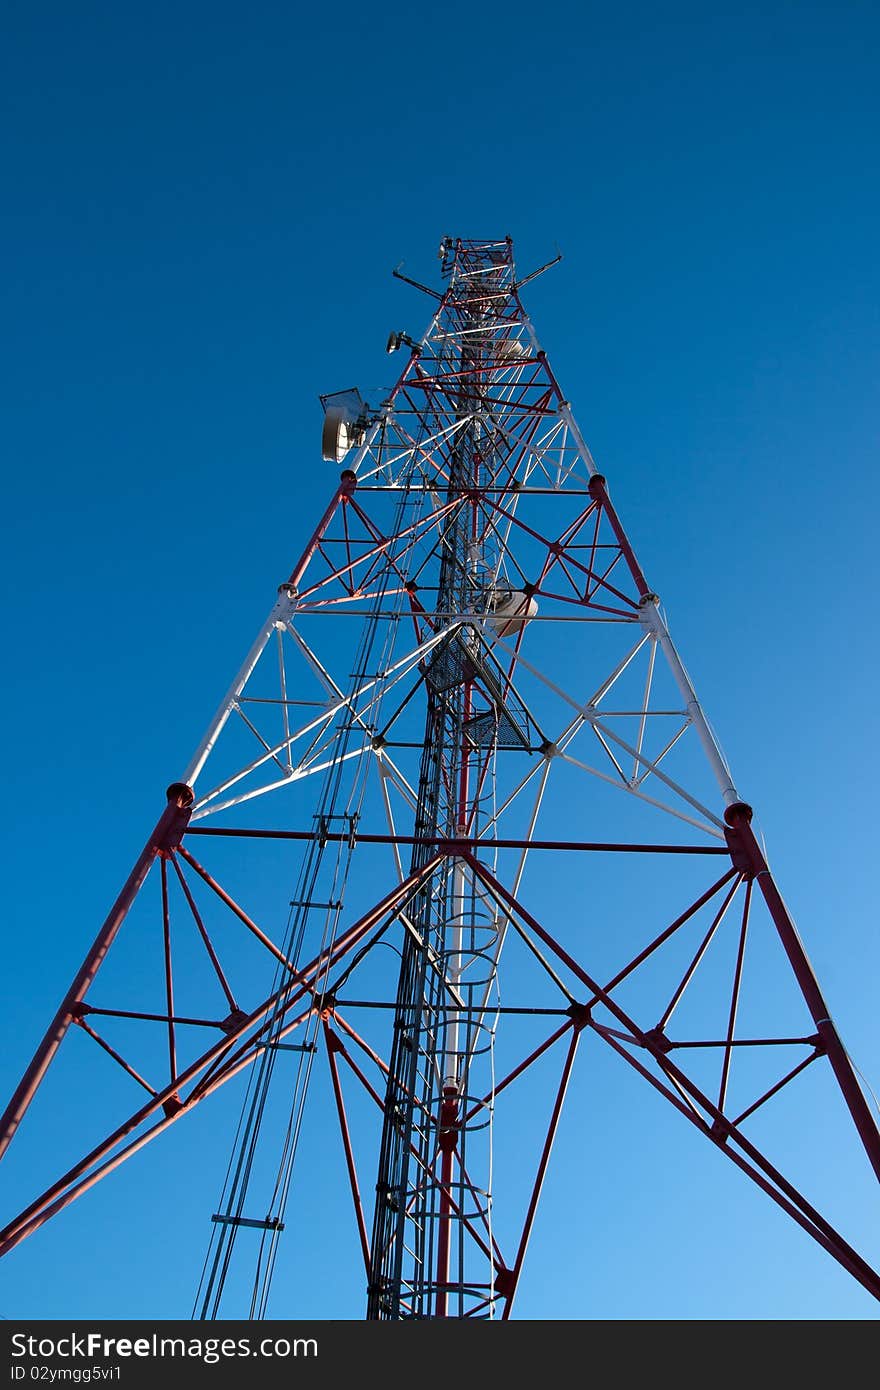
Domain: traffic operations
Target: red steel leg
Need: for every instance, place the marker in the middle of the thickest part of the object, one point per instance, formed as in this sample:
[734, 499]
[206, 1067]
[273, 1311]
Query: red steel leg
[745, 847]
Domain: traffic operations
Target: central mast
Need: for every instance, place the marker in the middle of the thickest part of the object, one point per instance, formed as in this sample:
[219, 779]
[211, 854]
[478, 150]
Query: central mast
[439, 1023]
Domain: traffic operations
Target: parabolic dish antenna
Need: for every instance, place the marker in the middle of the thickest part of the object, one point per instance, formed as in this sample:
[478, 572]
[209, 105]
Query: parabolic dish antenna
[344, 424]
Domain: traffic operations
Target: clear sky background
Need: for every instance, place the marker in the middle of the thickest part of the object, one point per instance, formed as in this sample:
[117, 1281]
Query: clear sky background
[201, 207]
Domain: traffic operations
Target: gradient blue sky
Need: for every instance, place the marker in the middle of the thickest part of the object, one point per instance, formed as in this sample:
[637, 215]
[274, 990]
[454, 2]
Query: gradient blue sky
[201, 207]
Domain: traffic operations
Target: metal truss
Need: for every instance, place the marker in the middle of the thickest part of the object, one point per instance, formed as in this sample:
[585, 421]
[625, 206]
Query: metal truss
[464, 700]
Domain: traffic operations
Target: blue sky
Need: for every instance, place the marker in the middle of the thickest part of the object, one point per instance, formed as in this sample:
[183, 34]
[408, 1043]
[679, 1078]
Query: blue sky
[202, 207]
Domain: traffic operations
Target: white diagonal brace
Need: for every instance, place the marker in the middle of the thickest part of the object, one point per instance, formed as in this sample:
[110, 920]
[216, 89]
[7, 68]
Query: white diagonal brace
[280, 613]
[649, 612]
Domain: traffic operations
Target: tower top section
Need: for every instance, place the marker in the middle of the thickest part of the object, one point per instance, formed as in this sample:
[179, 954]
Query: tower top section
[476, 378]
[486, 262]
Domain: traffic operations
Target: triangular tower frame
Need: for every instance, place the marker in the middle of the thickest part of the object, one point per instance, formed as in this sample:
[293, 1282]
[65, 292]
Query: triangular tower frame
[406, 673]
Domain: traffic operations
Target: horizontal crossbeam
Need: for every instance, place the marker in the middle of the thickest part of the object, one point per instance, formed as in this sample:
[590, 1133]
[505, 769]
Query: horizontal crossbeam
[447, 846]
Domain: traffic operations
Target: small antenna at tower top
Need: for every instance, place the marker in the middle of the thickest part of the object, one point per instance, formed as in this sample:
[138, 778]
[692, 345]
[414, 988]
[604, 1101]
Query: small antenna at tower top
[548, 265]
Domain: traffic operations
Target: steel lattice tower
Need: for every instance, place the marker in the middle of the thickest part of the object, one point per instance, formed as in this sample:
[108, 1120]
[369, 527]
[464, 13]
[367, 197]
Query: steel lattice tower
[464, 701]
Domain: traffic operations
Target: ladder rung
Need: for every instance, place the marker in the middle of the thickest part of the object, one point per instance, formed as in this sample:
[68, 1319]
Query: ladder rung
[269, 1223]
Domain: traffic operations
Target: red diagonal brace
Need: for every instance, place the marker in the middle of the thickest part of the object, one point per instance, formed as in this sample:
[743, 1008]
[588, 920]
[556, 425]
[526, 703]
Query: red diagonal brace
[166, 836]
[508, 1285]
[333, 1046]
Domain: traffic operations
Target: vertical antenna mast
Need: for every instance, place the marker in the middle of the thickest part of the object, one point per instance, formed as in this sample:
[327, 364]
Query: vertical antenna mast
[440, 1023]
